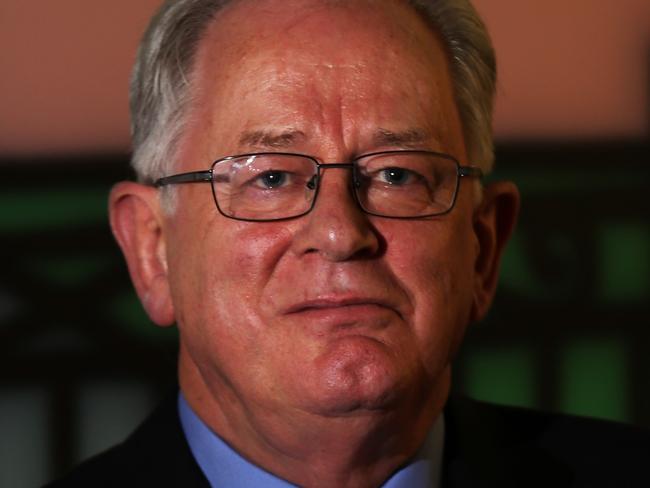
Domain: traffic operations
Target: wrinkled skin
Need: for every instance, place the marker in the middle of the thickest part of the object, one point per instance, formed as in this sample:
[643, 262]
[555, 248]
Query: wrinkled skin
[306, 341]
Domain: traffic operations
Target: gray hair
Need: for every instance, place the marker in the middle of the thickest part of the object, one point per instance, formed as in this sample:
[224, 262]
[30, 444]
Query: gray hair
[160, 89]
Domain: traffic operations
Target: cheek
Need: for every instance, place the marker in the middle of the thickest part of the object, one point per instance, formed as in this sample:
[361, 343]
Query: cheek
[220, 279]
[436, 256]
[221, 271]
[241, 257]
[436, 269]
[248, 253]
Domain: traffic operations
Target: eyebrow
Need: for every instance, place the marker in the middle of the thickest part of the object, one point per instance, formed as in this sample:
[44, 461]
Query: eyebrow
[260, 139]
[408, 138]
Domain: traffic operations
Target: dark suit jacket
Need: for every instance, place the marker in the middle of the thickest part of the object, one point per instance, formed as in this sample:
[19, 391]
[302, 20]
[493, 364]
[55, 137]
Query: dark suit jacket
[485, 446]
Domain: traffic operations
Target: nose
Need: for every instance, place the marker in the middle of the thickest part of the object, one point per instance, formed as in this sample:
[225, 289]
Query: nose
[336, 228]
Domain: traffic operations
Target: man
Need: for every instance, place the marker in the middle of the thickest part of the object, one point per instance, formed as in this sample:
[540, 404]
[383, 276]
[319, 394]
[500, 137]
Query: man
[323, 270]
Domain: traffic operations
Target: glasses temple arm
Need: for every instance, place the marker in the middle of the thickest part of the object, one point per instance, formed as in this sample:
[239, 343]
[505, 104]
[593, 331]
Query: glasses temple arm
[193, 177]
[470, 171]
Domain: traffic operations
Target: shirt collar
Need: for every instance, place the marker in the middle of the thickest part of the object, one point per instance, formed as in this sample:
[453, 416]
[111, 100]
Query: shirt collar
[223, 466]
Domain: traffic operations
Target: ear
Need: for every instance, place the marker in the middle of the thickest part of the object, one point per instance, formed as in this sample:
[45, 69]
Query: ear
[136, 221]
[494, 221]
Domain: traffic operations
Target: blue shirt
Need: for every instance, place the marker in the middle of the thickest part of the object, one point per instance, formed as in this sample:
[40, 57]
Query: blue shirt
[225, 468]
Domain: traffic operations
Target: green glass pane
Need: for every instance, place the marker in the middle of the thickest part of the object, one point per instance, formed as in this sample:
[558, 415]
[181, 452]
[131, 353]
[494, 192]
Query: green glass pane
[573, 181]
[67, 271]
[624, 255]
[516, 272]
[500, 375]
[48, 209]
[593, 379]
[132, 318]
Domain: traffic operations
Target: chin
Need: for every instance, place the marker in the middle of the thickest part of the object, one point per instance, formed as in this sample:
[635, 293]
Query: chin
[358, 376]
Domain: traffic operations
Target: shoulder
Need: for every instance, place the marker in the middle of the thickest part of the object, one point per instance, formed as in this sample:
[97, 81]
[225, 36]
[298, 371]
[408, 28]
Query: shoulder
[156, 454]
[515, 425]
[510, 443]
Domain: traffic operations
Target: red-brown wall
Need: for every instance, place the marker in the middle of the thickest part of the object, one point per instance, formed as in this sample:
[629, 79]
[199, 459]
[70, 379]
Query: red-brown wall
[568, 69]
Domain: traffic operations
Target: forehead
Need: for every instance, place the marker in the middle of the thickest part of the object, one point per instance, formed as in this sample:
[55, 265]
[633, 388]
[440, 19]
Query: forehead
[312, 66]
[242, 26]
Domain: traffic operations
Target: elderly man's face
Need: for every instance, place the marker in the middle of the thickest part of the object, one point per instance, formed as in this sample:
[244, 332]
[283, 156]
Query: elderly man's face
[334, 311]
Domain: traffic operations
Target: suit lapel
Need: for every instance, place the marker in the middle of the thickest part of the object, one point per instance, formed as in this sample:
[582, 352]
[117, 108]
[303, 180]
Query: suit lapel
[165, 457]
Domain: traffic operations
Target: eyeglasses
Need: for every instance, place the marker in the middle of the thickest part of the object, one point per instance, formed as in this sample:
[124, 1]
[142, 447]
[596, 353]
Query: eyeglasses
[402, 184]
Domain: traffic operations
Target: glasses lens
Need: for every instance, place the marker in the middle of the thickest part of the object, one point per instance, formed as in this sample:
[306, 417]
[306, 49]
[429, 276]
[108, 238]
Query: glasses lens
[406, 184]
[264, 186]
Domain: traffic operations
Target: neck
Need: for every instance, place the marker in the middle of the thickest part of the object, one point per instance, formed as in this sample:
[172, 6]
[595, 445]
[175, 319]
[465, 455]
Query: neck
[359, 449]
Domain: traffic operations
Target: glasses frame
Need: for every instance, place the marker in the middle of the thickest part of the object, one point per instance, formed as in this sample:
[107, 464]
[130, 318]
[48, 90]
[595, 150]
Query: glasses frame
[205, 176]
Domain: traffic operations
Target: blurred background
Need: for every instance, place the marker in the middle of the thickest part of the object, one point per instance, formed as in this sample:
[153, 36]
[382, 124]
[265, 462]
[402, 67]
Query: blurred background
[81, 365]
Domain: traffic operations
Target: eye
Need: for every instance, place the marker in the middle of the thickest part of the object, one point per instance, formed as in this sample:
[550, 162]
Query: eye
[396, 176]
[272, 179]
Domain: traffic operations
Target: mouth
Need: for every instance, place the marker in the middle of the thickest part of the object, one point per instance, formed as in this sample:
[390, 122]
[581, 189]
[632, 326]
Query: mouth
[344, 311]
[334, 303]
